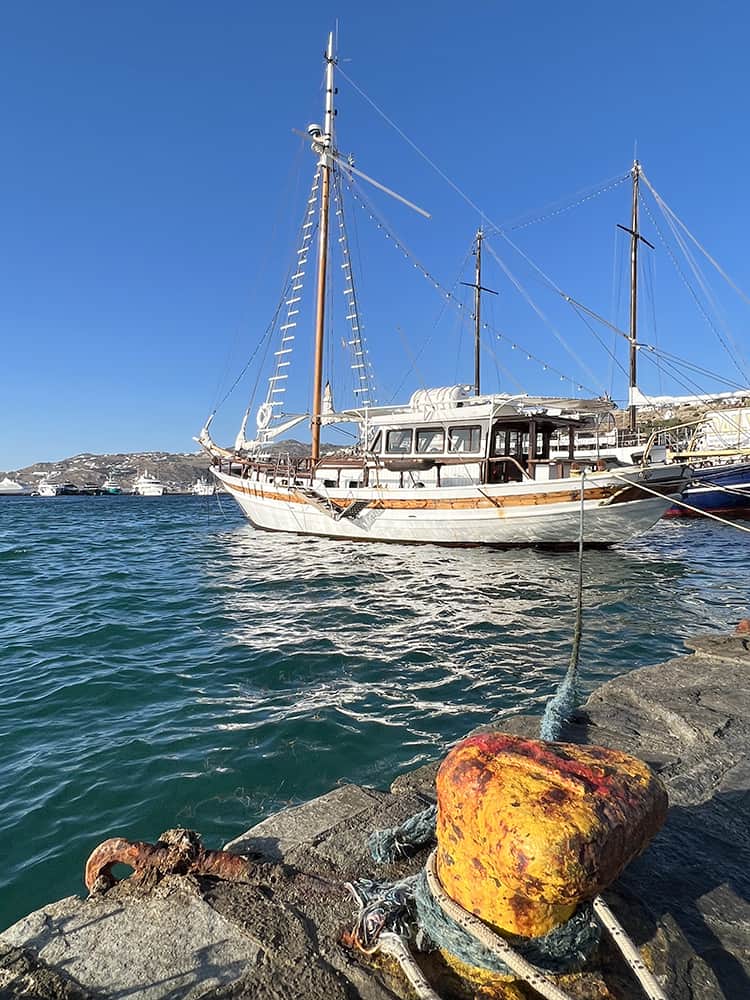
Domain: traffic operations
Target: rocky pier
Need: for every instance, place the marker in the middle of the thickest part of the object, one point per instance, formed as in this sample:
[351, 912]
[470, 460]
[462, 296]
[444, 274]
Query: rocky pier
[179, 928]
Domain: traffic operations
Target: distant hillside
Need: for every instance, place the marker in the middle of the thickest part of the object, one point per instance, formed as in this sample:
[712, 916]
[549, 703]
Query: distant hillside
[177, 472]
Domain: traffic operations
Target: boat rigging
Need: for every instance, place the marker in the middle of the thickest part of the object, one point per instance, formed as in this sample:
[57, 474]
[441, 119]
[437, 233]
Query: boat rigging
[451, 466]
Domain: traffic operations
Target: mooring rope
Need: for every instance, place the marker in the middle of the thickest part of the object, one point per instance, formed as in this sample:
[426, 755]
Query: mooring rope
[564, 702]
[676, 502]
[418, 906]
[450, 927]
[492, 941]
[628, 950]
[395, 946]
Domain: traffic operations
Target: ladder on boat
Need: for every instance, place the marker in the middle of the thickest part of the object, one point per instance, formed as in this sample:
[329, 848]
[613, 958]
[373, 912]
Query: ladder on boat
[325, 506]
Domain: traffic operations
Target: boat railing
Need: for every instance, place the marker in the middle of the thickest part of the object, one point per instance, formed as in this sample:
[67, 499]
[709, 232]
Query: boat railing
[680, 439]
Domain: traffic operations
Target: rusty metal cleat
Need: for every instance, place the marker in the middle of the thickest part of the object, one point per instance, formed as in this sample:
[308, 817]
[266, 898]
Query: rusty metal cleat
[176, 852]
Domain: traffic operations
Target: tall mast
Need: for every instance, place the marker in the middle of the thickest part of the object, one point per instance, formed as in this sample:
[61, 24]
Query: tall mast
[635, 239]
[326, 163]
[633, 382]
[477, 309]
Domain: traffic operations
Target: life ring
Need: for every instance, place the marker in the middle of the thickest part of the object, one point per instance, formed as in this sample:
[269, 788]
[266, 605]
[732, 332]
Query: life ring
[263, 416]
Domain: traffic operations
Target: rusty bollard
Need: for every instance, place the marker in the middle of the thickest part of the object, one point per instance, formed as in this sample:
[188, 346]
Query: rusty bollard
[528, 830]
[176, 852]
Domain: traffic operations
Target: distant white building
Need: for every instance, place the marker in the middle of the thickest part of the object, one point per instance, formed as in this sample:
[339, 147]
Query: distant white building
[726, 429]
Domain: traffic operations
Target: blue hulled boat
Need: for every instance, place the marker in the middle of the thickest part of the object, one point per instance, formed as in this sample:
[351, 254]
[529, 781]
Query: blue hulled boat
[719, 489]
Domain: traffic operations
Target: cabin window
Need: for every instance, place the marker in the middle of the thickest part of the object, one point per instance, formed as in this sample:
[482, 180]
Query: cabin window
[465, 439]
[398, 442]
[374, 445]
[430, 441]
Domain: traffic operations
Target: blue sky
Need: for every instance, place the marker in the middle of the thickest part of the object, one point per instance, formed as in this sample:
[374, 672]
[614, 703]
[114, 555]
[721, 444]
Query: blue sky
[152, 187]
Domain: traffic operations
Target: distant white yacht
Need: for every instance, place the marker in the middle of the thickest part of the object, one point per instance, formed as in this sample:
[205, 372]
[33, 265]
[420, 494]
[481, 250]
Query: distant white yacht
[202, 488]
[148, 486]
[10, 488]
[48, 489]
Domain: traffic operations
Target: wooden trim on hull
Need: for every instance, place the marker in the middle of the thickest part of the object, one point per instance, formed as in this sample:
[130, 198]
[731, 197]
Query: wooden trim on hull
[478, 523]
[483, 502]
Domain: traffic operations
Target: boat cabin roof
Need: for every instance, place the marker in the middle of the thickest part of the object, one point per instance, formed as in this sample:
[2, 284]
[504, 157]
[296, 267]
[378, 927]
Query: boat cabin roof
[452, 405]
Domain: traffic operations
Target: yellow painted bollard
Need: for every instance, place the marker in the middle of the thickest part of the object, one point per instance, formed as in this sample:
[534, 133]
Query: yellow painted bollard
[527, 830]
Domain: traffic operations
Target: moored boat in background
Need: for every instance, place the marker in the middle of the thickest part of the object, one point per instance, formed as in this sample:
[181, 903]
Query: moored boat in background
[110, 487]
[147, 485]
[46, 489]
[11, 488]
[717, 489]
[203, 488]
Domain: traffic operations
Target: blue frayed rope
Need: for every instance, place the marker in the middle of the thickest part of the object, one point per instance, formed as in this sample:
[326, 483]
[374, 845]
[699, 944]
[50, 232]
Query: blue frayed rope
[563, 949]
[395, 842]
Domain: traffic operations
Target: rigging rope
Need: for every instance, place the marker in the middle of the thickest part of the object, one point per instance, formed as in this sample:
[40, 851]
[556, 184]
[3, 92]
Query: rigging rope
[545, 319]
[413, 145]
[683, 276]
[682, 503]
[556, 210]
[668, 211]
[380, 224]
[362, 370]
[531, 219]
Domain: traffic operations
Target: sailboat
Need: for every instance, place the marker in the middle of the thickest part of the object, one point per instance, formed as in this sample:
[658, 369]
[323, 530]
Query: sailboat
[450, 466]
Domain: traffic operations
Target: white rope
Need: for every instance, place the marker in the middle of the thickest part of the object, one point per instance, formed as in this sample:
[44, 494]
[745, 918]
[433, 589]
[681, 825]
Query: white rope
[667, 210]
[680, 503]
[628, 950]
[367, 206]
[395, 946]
[671, 219]
[522, 291]
[479, 930]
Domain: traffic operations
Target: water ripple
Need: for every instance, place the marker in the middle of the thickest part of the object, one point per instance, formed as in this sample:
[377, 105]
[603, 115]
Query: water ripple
[165, 664]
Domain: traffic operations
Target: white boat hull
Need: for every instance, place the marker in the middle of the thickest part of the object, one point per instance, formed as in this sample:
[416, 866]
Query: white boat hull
[521, 514]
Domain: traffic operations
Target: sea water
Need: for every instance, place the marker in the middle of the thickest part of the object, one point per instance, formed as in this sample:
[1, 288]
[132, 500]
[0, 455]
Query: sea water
[164, 664]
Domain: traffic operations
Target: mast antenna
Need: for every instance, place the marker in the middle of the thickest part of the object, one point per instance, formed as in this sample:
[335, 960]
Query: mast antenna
[478, 289]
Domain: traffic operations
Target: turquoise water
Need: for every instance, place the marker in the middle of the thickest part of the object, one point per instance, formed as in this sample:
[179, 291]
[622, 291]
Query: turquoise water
[164, 664]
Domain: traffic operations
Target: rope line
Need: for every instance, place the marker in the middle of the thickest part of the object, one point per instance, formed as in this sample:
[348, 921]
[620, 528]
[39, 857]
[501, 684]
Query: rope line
[666, 209]
[628, 950]
[682, 503]
[560, 707]
[545, 319]
[492, 941]
[358, 195]
[531, 219]
[685, 280]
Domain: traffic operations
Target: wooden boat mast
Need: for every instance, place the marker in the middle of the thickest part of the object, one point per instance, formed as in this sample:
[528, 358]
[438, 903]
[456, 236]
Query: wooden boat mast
[477, 309]
[478, 289]
[633, 381]
[325, 141]
[635, 239]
